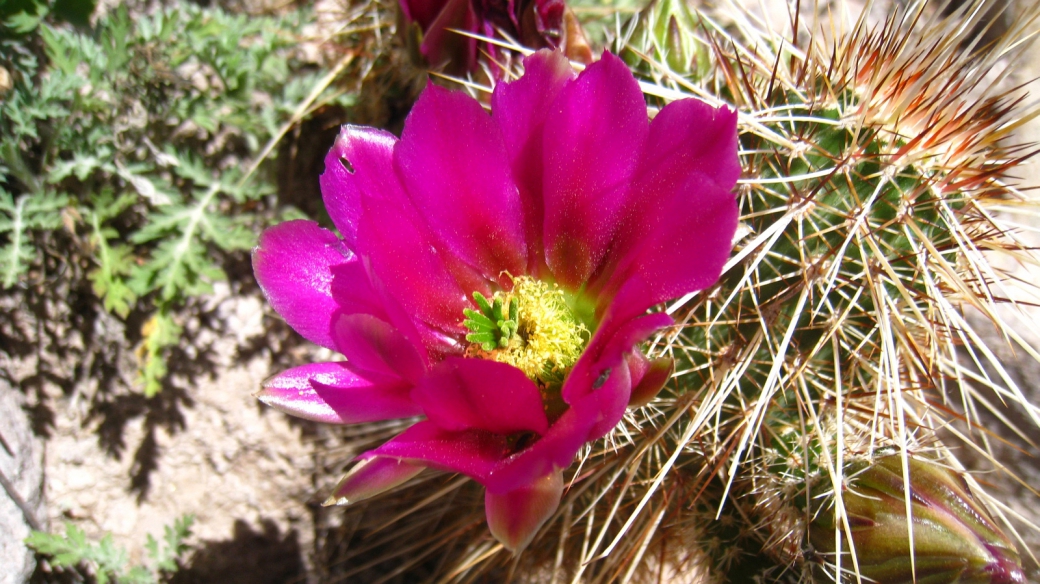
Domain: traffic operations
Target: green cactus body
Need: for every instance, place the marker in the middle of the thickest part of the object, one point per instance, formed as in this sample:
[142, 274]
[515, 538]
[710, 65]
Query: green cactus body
[833, 332]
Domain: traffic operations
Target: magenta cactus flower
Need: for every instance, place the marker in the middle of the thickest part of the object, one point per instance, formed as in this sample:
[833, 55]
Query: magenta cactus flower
[493, 273]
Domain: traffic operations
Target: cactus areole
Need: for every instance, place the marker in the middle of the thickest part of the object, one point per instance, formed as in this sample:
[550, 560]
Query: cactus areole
[492, 276]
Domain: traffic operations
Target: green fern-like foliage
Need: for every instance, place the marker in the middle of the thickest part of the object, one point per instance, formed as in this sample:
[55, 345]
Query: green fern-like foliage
[111, 563]
[184, 230]
[115, 259]
[135, 136]
[165, 553]
[18, 218]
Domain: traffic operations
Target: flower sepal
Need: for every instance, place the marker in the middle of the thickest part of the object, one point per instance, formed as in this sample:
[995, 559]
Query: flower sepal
[652, 375]
[371, 477]
[515, 517]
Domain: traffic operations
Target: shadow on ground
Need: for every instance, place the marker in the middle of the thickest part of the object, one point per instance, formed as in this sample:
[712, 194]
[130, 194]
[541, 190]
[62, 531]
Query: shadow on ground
[58, 342]
[248, 557]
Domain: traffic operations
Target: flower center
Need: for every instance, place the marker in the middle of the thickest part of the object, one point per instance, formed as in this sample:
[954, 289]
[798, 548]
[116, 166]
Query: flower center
[531, 328]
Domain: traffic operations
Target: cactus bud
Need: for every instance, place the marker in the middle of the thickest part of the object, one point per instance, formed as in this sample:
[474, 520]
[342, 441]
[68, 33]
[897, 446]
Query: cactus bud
[431, 30]
[954, 537]
[666, 33]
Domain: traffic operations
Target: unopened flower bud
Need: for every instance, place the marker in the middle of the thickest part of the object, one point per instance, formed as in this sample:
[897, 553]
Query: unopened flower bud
[954, 538]
[665, 31]
[431, 30]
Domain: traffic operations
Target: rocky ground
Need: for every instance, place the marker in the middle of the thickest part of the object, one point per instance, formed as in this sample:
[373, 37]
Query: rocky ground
[244, 471]
[111, 461]
[121, 464]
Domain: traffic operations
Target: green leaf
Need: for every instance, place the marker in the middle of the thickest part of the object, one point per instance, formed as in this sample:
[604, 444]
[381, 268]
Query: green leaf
[110, 562]
[81, 166]
[107, 559]
[116, 39]
[22, 22]
[88, 122]
[165, 558]
[181, 264]
[159, 332]
[17, 220]
[115, 263]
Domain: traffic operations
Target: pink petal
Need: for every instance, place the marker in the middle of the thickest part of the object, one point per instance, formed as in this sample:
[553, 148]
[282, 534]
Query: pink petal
[293, 265]
[682, 215]
[371, 477]
[334, 394]
[688, 136]
[422, 12]
[598, 127]
[598, 390]
[478, 394]
[354, 292]
[683, 250]
[372, 345]
[472, 452]
[607, 352]
[520, 108]
[360, 162]
[611, 386]
[557, 449]
[453, 163]
[374, 186]
[516, 516]
[408, 267]
[549, 19]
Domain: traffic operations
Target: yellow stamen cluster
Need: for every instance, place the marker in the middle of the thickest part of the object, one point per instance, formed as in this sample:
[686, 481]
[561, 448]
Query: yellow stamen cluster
[548, 339]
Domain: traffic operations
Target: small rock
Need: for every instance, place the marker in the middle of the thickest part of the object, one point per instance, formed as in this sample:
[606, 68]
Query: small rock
[21, 462]
[79, 478]
[219, 464]
[231, 452]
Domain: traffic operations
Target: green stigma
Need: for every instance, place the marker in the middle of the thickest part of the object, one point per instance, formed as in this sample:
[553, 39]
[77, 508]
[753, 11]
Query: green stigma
[493, 326]
[531, 328]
